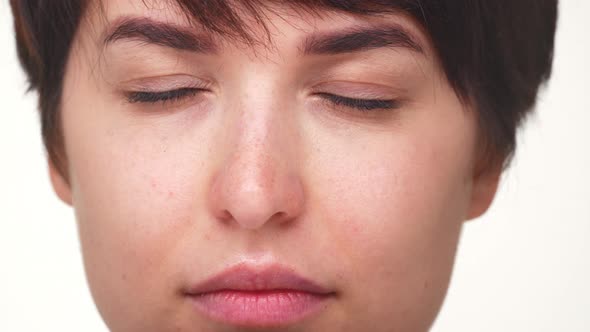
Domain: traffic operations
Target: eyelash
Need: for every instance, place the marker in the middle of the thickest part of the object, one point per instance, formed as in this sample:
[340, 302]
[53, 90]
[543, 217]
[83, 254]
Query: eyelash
[152, 97]
[361, 105]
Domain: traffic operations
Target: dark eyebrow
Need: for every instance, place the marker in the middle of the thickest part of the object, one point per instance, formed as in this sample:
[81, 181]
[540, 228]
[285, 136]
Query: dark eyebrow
[181, 38]
[159, 33]
[361, 39]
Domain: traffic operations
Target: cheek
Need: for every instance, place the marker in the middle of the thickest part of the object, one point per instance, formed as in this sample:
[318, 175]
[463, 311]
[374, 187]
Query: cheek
[140, 189]
[400, 201]
[135, 193]
[395, 206]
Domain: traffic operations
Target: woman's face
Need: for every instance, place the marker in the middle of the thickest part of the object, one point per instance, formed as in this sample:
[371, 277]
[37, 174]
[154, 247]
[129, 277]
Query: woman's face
[193, 154]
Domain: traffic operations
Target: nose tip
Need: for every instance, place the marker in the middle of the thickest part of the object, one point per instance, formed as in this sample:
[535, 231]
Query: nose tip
[253, 194]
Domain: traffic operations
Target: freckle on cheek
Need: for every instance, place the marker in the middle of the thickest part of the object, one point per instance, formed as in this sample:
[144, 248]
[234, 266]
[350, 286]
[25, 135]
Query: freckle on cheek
[355, 229]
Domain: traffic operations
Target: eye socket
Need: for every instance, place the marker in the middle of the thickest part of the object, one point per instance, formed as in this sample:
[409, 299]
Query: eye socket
[152, 97]
[360, 105]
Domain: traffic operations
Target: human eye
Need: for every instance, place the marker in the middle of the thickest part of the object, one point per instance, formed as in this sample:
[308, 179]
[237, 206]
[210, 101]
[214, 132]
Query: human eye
[360, 104]
[152, 97]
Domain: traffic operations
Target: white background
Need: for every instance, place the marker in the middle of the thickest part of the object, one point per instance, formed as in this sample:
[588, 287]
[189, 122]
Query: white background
[524, 266]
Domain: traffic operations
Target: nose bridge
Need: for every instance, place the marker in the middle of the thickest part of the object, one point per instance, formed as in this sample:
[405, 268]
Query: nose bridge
[256, 183]
[255, 163]
[259, 140]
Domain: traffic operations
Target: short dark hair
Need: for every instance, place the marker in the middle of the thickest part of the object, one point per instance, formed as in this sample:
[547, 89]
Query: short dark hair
[495, 54]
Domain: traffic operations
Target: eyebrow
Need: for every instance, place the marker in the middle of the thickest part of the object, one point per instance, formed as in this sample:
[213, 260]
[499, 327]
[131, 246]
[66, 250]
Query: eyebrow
[159, 33]
[362, 39]
[180, 38]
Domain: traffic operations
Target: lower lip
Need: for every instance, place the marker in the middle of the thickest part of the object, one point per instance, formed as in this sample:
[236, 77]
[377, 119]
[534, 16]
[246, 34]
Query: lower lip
[259, 308]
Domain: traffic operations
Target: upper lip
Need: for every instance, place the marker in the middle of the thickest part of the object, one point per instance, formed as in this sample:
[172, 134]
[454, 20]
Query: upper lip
[244, 277]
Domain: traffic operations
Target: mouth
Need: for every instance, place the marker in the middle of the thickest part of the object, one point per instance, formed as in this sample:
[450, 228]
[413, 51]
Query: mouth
[249, 296]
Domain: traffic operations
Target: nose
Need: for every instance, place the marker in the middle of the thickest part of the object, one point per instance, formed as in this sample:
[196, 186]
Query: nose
[258, 183]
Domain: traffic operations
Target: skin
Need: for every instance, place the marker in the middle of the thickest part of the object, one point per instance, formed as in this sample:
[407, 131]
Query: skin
[259, 169]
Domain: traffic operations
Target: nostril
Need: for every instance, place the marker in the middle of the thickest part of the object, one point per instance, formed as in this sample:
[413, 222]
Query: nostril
[225, 215]
[279, 215]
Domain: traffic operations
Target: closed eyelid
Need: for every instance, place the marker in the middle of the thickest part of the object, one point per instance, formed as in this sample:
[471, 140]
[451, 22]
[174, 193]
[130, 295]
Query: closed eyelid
[165, 83]
[357, 90]
[361, 104]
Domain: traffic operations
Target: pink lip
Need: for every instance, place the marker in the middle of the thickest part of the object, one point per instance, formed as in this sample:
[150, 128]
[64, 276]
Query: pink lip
[251, 296]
